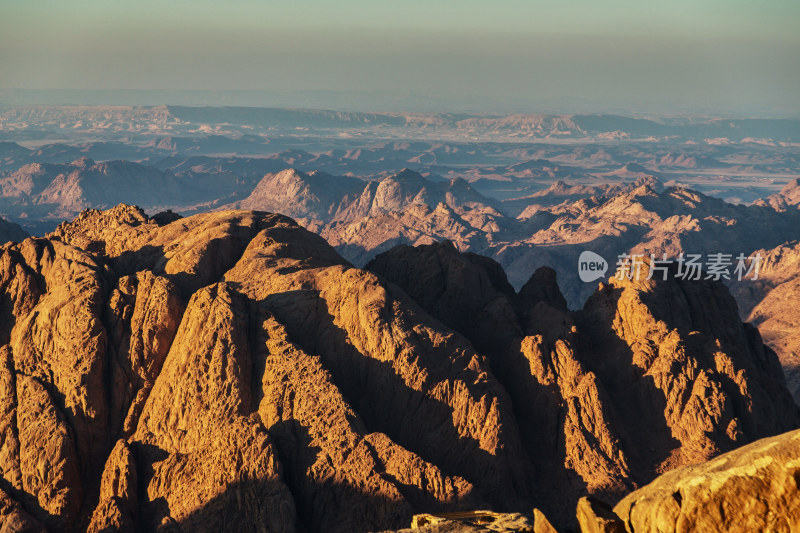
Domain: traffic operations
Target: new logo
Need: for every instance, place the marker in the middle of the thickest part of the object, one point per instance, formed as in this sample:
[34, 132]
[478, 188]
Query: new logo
[591, 266]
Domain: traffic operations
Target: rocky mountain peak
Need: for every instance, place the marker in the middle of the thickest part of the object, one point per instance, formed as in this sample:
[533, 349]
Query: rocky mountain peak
[83, 162]
[787, 198]
[230, 370]
[658, 366]
[406, 175]
[650, 181]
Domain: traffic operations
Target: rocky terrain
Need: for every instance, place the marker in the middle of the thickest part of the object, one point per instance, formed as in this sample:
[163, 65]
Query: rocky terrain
[771, 304]
[435, 361]
[753, 488]
[643, 217]
[57, 191]
[231, 371]
[219, 154]
[364, 217]
[646, 219]
[526, 190]
[101, 119]
[628, 355]
[787, 198]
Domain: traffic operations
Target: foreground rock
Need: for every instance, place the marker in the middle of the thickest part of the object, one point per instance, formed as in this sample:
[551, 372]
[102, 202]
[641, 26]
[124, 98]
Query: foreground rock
[753, 488]
[231, 372]
[480, 522]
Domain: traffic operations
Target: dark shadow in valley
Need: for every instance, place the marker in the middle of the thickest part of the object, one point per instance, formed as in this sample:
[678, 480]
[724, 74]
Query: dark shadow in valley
[151, 512]
[324, 503]
[237, 511]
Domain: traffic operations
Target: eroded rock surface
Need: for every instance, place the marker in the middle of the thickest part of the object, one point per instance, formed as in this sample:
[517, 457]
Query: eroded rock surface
[649, 376]
[753, 488]
[231, 372]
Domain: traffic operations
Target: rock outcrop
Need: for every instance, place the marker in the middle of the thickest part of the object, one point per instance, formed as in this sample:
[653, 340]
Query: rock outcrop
[64, 189]
[14, 518]
[753, 488]
[314, 196]
[231, 372]
[639, 217]
[649, 376]
[480, 522]
[788, 198]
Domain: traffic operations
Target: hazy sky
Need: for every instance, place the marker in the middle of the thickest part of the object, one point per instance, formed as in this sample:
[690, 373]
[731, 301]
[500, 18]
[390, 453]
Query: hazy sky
[691, 55]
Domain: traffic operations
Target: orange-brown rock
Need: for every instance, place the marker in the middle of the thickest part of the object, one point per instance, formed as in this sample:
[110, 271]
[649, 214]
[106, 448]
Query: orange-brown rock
[650, 375]
[118, 493]
[323, 443]
[412, 404]
[479, 522]
[201, 448]
[9, 434]
[473, 521]
[679, 361]
[144, 312]
[753, 488]
[14, 518]
[595, 516]
[57, 334]
[55, 354]
[48, 461]
[425, 388]
[231, 372]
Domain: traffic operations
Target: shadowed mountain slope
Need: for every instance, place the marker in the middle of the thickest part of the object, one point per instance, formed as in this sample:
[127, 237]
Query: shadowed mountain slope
[231, 372]
[11, 232]
[650, 375]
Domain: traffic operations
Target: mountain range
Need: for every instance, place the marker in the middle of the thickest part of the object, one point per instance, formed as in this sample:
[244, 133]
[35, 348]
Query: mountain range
[124, 118]
[364, 217]
[231, 371]
[315, 320]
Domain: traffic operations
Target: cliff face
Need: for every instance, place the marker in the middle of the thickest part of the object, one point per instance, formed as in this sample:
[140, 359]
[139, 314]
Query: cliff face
[230, 371]
[649, 376]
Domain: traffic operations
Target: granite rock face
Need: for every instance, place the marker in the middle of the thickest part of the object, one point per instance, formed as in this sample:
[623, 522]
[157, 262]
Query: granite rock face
[650, 375]
[753, 488]
[231, 372]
